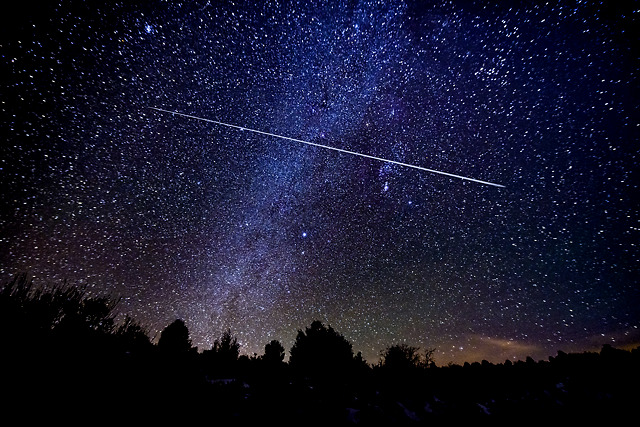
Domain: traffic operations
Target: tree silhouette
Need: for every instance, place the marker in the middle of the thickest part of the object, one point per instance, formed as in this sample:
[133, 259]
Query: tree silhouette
[222, 358]
[273, 353]
[400, 357]
[174, 339]
[226, 347]
[321, 351]
[404, 358]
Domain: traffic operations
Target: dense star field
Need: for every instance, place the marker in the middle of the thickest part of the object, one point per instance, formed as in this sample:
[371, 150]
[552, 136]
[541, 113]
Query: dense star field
[227, 228]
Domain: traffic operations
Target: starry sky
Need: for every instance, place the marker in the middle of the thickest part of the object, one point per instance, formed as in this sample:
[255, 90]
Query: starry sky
[227, 228]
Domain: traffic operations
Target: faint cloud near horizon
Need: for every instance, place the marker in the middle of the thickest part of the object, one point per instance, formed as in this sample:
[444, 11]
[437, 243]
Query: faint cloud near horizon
[497, 350]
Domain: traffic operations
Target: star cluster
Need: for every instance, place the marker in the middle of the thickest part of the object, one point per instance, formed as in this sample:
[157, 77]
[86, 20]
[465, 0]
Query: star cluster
[226, 228]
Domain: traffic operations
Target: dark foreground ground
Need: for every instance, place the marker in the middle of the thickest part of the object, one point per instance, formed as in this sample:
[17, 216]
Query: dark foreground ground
[570, 388]
[65, 360]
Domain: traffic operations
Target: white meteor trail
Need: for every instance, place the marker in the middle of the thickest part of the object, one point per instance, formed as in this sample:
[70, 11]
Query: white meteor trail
[328, 147]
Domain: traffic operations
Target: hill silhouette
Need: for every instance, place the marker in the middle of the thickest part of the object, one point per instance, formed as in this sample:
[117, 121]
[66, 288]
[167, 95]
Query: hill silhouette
[64, 357]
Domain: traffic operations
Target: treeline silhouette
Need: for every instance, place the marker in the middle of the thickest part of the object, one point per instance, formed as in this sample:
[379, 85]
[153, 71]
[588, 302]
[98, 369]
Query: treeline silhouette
[63, 353]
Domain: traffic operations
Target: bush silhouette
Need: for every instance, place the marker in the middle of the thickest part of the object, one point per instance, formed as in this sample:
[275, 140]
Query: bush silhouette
[132, 336]
[59, 335]
[64, 317]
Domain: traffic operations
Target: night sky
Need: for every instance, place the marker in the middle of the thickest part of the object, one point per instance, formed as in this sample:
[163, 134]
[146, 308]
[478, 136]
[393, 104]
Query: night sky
[227, 228]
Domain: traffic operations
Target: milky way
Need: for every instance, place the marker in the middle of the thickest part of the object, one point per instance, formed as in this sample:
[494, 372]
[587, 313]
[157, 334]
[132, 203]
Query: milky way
[232, 229]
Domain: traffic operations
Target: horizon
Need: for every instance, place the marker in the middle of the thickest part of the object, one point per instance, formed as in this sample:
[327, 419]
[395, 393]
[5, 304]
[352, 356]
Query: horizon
[511, 351]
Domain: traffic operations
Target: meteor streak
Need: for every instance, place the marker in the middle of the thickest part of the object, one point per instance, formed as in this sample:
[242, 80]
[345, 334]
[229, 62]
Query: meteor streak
[367, 156]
